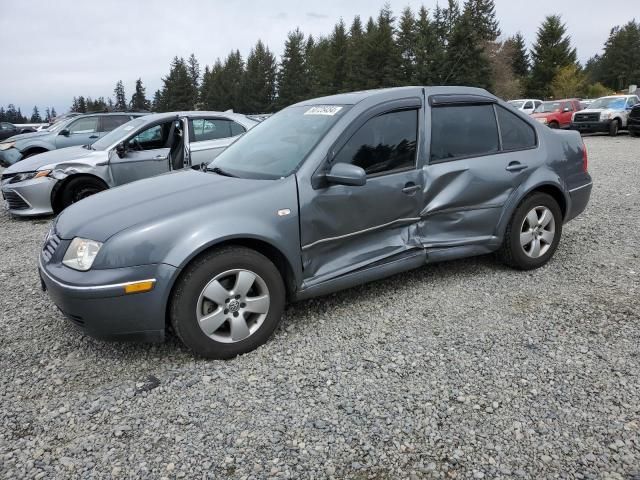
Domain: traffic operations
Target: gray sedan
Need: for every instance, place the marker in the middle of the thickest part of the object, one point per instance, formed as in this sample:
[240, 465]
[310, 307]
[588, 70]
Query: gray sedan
[325, 195]
[143, 147]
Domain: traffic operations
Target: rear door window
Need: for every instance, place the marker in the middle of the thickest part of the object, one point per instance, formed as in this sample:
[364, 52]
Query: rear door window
[463, 131]
[111, 122]
[516, 133]
[84, 125]
[210, 129]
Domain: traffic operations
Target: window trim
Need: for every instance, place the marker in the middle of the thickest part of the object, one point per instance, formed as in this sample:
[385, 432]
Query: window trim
[501, 149]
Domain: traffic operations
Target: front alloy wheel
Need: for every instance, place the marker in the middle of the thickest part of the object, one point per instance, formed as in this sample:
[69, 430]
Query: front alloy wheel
[227, 302]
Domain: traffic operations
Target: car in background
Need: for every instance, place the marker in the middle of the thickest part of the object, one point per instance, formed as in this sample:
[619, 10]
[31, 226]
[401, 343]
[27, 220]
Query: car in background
[526, 105]
[80, 130]
[633, 122]
[324, 195]
[557, 113]
[9, 130]
[146, 146]
[606, 114]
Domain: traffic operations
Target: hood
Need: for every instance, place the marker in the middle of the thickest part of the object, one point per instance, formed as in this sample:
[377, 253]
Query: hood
[27, 136]
[103, 215]
[544, 114]
[60, 155]
[597, 110]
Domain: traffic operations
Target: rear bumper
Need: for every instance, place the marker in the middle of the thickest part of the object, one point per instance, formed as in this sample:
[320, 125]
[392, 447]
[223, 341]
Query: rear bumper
[95, 301]
[579, 199]
[591, 127]
[9, 157]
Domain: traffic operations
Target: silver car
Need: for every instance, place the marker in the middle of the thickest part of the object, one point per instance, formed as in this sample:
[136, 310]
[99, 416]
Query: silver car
[141, 148]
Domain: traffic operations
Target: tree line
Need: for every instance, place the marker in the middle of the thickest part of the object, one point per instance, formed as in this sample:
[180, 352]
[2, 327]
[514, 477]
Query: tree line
[455, 44]
[14, 115]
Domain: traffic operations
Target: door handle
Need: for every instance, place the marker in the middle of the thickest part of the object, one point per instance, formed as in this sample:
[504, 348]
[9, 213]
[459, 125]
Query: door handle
[515, 167]
[160, 157]
[93, 136]
[411, 188]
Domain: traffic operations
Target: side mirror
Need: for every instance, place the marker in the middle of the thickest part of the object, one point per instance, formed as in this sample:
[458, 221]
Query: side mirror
[121, 149]
[65, 132]
[566, 109]
[346, 174]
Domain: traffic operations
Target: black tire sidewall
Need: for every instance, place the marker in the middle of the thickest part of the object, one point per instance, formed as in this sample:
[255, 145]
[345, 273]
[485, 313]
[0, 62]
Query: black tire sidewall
[195, 278]
[68, 193]
[520, 258]
[614, 127]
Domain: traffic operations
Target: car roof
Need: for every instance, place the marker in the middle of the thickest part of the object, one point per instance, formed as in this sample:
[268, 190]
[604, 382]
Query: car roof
[382, 94]
[197, 114]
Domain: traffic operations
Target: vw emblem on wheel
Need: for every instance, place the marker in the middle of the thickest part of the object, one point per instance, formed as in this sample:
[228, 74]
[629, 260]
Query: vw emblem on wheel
[234, 306]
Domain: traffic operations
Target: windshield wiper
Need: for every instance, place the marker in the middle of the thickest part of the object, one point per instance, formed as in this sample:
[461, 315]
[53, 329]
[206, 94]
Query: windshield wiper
[220, 171]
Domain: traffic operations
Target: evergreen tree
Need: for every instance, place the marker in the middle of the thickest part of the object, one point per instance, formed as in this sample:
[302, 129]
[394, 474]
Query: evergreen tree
[354, 61]
[429, 50]
[139, 100]
[520, 57]
[53, 113]
[551, 52]
[406, 40]
[259, 86]
[82, 105]
[482, 18]
[121, 98]
[467, 62]
[3, 115]
[156, 105]
[47, 115]
[35, 116]
[194, 73]
[292, 76]
[318, 63]
[177, 90]
[619, 65]
[338, 45]
[382, 54]
[211, 93]
[230, 82]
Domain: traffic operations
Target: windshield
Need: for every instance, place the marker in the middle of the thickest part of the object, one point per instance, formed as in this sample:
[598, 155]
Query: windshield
[117, 134]
[547, 107]
[276, 147]
[616, 103]
[517, 103]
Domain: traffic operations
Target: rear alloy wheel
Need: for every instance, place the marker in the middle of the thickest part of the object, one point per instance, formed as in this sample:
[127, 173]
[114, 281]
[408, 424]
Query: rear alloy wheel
[614, 126]
[79, 188]
[533, 233]
[227, 302]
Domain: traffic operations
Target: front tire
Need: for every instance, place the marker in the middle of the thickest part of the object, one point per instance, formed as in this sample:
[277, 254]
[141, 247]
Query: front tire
[227, 302]
[533, 234]
[614, 126]
[554, 125]
[79, 188]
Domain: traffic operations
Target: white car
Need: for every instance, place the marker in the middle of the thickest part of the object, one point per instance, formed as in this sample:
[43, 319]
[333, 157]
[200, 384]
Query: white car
[526, 105]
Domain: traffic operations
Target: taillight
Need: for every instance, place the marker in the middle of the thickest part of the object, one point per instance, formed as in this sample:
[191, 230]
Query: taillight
[585, 158]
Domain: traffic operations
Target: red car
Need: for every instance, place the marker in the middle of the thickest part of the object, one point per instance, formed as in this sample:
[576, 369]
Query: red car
[557, 113]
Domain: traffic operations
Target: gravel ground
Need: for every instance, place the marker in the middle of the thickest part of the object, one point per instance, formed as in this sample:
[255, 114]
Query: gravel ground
[460, 370]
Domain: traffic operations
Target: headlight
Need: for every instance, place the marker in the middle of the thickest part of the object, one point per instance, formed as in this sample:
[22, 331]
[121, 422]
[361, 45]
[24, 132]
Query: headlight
[21, 177]
[542, 120]
[81, 254]
[605, 116]
[7, 145]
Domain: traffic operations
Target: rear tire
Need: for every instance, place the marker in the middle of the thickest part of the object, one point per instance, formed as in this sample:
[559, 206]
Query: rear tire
[227, 302]
[78, 188]
[533, 233]
[614, 126]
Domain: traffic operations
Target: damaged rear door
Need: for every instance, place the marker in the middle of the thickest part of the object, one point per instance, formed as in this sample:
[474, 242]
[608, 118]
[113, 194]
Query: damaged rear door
[345, 227]
[480, 152]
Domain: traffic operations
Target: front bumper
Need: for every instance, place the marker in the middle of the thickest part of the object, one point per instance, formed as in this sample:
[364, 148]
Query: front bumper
[10, 156]
[95, 301]
[591, 127]
[29, 198]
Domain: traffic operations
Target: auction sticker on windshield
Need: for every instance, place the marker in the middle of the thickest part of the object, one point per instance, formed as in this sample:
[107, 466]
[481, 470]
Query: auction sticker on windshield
[323, 110]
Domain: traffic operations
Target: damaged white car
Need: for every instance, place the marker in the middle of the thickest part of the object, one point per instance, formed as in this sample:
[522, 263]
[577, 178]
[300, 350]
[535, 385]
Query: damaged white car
[151, 145]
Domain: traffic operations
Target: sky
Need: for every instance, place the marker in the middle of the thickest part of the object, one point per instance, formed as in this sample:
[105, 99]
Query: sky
[55, 50]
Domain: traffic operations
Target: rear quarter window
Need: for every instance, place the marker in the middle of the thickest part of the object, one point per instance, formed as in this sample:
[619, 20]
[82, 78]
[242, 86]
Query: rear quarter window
[516, 133]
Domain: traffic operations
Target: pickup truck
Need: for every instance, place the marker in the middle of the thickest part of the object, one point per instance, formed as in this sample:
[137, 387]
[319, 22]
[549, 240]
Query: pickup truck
[606, 114]
[324, 195]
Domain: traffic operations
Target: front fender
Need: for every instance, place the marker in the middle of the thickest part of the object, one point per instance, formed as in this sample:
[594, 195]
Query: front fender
[35, 144]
